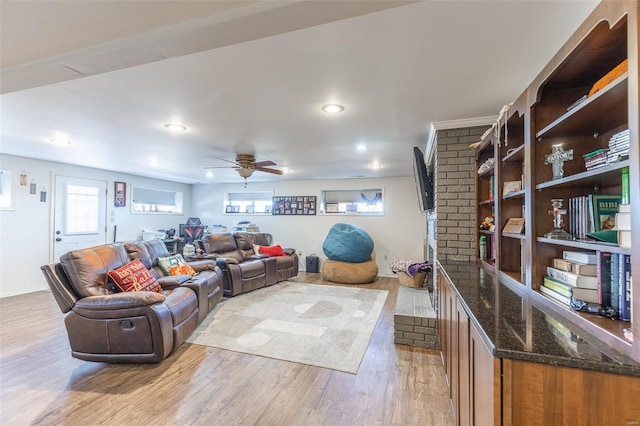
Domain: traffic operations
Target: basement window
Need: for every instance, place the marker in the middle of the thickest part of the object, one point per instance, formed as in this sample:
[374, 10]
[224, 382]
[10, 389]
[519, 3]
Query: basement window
[248, 202]
[353, 201]
[153, 201]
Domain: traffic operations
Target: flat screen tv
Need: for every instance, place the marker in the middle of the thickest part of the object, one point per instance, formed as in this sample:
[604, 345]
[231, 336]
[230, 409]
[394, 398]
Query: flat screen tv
[424, 181]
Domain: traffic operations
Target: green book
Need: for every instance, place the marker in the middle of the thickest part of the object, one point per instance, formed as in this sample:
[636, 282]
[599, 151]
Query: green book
[557, 286]
[604, 208]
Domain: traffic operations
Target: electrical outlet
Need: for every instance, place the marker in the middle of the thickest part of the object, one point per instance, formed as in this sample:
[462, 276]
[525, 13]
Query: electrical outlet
[386, 257]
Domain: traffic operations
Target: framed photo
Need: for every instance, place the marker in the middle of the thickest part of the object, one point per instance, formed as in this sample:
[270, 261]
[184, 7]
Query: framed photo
[236, 209]
[511, 186]
[228, 209]
[120, 194]
[249, 209]
[331, 207]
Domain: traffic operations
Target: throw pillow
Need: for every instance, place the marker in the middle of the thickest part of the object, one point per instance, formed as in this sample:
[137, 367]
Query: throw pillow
[175, 265]
[272, 251]
[134, 276]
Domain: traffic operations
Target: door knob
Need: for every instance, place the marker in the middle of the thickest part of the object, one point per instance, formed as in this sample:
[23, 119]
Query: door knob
[58, 239]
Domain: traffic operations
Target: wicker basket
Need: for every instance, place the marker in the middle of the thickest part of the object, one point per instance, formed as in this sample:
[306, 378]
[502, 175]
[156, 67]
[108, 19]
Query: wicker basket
[416, 282]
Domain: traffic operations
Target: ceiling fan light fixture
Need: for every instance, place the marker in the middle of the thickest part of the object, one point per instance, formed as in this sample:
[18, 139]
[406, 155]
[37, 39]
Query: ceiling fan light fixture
[244, 172]
[175, 127]
[333, 108]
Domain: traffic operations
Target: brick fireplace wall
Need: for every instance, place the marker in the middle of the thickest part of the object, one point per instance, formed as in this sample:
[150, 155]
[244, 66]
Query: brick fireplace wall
[455, 193]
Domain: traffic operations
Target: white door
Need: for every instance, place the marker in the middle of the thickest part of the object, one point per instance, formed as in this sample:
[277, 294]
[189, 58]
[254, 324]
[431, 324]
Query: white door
[80, 214]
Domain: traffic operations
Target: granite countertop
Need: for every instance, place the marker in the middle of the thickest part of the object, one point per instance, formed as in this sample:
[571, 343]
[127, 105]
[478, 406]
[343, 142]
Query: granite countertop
[514, 328]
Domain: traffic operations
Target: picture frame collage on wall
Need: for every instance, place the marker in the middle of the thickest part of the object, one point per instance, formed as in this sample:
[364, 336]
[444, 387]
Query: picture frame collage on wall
[299, 205]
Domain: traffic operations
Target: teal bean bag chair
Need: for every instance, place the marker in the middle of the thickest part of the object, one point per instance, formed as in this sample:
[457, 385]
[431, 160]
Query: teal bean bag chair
[347, 243]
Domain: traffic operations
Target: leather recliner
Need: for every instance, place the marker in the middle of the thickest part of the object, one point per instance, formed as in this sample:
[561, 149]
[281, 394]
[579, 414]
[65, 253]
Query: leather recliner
[107, 326]
[286, 266]
[207, 283]
[243, 270]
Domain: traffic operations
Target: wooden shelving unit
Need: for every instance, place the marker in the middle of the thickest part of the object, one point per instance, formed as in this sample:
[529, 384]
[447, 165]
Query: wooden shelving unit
[546, 115]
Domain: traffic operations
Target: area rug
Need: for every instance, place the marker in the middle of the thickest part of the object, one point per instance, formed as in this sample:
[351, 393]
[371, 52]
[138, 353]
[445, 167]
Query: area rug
[320, 325]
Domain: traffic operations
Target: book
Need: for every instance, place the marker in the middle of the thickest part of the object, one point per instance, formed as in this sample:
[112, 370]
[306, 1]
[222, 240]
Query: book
[557, 296]
[604, 278]
[575, 267]
[623, 221]
[587, 257]
[585, 294]
[572, 279]
[624, 281]
[604, 208]
[557, 286]
[624, 239]
[514, 225]
[613, 299]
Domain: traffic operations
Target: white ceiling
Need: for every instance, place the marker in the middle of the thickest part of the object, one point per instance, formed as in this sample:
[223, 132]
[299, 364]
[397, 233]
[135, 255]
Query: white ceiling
[250, 77]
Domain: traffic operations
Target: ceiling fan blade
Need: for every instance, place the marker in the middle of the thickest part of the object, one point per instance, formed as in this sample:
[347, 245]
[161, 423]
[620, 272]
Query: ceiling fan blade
[264, 163]
[228, 161]
[264, 169]
[222, 167]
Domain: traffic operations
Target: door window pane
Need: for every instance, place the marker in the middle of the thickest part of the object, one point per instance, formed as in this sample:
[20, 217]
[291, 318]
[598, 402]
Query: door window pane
[81, 216]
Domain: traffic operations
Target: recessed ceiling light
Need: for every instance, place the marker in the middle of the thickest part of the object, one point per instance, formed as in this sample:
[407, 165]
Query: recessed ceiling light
[375, 166]
[209, 174]
[59, 141]
[154, 162]
[362, 147]
[174, 127]
[333, 108]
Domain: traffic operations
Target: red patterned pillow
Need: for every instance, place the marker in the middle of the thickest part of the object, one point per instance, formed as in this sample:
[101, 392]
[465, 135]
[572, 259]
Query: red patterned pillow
[134, 276]
[272, 251]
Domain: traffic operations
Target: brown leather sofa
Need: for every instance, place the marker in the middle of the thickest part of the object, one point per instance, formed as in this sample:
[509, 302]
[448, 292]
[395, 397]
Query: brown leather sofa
[135, 327]
[207, 284]
[242, 269]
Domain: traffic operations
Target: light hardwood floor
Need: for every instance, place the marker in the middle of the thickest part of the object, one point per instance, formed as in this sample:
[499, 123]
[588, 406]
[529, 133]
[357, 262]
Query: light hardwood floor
[41, 384]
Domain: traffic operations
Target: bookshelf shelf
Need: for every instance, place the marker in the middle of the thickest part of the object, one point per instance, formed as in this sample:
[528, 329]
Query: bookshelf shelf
[588, 178]
[586, 245]
[486, 202]
[514, 154]
[603, 110]
[485, 232]
[516, 236]
[517, 194]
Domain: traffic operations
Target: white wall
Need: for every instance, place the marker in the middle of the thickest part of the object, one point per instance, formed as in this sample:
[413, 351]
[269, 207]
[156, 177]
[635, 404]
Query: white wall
[399, 234]
[26, 236]
[26, 233]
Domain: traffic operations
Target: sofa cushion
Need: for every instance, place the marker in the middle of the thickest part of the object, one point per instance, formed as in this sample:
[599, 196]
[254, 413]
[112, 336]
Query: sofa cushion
[134, 276]
[175, 265]
[272, 251]
[222, 245]
[138, 250]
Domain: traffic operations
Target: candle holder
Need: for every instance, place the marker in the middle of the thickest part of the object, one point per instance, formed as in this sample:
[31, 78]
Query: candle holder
[557, 233]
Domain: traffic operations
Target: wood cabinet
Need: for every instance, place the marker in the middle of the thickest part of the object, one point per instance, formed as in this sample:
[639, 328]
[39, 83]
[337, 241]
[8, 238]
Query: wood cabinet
[469, 365]
[499, 390]
[547, 115]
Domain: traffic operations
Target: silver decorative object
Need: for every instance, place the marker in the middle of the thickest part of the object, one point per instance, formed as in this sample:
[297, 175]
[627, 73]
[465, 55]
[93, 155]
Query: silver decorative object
[557, 158]
[557, 232]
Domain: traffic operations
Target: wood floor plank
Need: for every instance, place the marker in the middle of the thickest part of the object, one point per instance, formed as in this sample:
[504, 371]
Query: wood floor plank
[41, 384]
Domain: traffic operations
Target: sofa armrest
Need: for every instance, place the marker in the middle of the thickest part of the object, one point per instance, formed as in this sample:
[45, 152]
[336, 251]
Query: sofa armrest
[222, 262]
[172, 280]
[132, 299]
[289, 251]
[203, 265]
[256, 257]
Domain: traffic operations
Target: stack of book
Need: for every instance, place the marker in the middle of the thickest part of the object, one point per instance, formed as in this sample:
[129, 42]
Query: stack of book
[623, 225]
[572, 277]
[618, 147]
[595, 159]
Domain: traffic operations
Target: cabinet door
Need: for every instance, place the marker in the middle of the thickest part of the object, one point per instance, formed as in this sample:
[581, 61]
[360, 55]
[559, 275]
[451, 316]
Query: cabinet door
[443, 289]
[464, 388]
[485, 387]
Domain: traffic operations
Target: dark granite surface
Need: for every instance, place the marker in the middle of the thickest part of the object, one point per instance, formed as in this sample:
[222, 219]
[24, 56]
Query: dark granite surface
[516, 329]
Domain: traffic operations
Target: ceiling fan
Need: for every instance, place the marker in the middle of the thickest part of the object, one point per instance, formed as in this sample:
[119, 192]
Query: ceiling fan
[246, 164]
